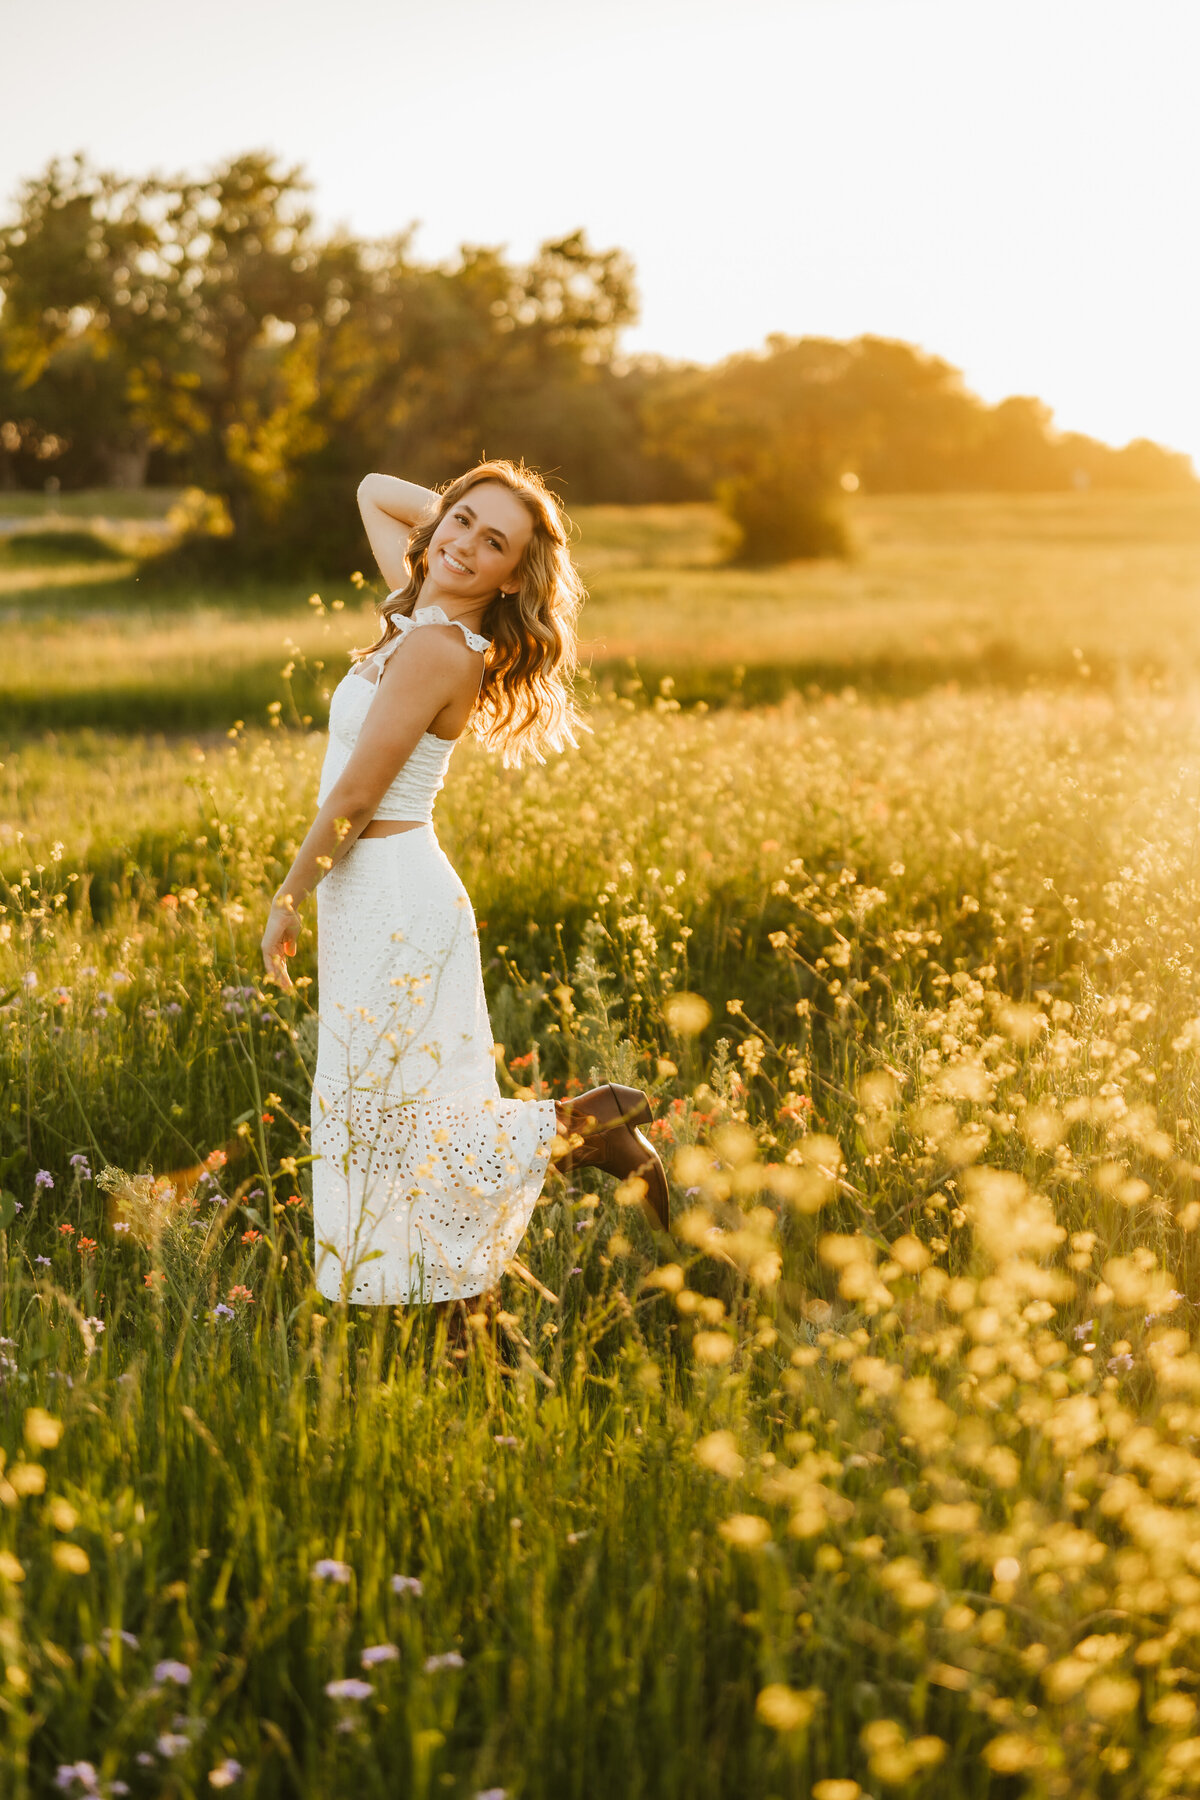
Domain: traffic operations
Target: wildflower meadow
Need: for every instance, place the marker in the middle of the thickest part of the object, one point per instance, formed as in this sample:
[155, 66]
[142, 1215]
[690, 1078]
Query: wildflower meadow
[879, 1477]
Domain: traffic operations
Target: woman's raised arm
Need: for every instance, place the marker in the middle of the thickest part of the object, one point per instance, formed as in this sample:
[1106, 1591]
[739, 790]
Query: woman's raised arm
[390, 508]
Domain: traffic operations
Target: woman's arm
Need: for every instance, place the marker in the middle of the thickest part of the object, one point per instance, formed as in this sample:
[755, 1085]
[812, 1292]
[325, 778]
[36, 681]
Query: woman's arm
[390, 508]
[418, 682]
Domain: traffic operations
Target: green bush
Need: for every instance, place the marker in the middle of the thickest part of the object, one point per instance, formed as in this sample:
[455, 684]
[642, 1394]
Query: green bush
[782, 517]
[39, 547]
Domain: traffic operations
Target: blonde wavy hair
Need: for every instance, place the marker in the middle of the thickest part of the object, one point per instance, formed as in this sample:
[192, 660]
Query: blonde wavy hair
[526, 704]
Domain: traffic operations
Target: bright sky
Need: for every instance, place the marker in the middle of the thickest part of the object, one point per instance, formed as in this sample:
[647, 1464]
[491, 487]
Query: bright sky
[1010, 183]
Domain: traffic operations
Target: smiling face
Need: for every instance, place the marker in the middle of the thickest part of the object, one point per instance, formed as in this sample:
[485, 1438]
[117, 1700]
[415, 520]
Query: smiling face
[478, 544]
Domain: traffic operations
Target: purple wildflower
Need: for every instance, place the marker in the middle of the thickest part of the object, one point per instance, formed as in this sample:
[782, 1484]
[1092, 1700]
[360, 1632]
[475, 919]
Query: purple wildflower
[408, 1584]
[449, 1659]
[378, 1653]
[350, 1688]
[169, 1670]
[43, 1179]
[330, 1569]
[82, 1772]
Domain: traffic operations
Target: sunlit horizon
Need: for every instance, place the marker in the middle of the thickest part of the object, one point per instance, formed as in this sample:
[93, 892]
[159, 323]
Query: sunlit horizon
[1001, 186]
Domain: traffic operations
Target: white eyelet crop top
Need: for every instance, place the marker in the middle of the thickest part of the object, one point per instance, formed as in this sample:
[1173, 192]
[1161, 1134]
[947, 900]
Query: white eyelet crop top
[412, 793]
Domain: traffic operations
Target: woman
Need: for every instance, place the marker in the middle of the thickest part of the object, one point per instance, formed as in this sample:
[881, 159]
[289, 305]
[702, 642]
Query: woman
[424, 1178]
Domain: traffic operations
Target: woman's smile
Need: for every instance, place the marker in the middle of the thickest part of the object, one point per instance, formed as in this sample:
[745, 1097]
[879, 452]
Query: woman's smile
[453, 564]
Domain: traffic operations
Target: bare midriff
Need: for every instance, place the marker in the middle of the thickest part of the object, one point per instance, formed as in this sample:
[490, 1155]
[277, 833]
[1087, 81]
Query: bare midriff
[389, 827]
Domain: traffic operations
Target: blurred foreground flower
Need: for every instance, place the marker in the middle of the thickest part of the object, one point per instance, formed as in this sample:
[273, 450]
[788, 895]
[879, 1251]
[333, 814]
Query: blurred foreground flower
[330, 1569]
[785, 1708]
[712, 1348]
[170, 1670]
[745, 1531]
[719, 1452]
[41, 1431]
[686, 1014]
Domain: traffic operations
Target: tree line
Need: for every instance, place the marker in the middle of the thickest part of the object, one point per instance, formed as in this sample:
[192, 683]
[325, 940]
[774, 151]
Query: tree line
[203, 331]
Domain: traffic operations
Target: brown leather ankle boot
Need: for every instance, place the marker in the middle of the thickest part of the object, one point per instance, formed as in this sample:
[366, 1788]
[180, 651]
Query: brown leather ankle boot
[600, 1130]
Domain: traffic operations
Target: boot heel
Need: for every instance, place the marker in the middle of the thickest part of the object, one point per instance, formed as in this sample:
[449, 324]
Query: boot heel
[632, 1153]
[658, 1194]
[633, 1107]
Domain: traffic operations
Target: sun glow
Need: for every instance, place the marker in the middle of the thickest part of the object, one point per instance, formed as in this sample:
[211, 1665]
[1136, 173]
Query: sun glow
[1001, 184]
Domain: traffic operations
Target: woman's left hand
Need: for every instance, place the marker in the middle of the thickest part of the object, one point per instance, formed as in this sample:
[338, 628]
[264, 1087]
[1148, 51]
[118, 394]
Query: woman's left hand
[279, 941]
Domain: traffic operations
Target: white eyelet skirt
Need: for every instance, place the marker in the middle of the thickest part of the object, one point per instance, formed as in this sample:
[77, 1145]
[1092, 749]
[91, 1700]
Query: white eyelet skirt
[424, 1177]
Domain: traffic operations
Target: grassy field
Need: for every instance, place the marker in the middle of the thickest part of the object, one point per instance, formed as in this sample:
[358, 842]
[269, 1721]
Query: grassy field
[881, 1479]
[985, 592]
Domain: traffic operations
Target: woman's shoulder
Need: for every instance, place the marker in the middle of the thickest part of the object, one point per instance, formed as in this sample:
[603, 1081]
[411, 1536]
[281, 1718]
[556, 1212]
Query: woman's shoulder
[449, 631]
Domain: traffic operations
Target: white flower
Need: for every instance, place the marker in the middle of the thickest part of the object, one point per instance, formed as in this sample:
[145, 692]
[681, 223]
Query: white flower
[330, 1569]
[177, 1672]
[350, 1688]
[407, 1584]
[225, 1774]
[378, 1653]
[83, 1772]
[449, 1659]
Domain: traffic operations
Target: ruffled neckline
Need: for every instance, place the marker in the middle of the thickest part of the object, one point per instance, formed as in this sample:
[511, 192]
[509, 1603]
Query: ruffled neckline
[434, 615]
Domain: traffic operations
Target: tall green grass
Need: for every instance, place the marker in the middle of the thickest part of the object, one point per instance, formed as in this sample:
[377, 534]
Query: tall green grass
[879, 1479]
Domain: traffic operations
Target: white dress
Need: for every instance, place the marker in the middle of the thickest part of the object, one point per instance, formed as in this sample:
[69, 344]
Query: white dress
[424, 1177]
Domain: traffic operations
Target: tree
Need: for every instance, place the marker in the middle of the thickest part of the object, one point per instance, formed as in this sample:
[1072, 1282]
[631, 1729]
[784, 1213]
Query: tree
[202, 329]
[88, 312]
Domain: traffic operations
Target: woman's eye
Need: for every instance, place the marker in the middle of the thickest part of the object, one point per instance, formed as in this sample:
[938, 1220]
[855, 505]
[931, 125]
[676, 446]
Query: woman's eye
[493, 543]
